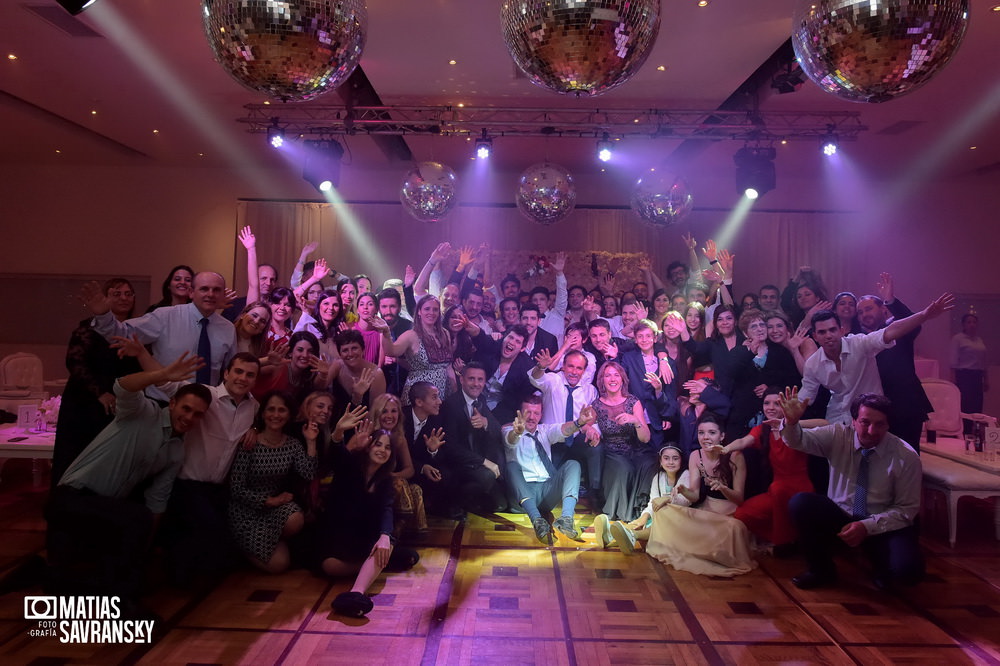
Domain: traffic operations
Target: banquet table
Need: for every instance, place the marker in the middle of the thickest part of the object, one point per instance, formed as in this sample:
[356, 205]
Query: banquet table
[18, 443]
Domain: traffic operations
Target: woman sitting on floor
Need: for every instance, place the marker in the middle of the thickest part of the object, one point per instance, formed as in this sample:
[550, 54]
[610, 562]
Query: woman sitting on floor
[663, 491]
[707, 539]
[356, 538]
[263, 513]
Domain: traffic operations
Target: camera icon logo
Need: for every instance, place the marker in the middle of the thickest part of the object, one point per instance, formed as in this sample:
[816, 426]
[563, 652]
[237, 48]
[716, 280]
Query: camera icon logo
[40, 608]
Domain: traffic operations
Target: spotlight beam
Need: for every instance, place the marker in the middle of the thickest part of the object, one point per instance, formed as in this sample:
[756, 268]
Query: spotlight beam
[365, 247]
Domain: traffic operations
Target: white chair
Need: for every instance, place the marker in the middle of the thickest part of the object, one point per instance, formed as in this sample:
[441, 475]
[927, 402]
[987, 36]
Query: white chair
[946, 418]
[21, 381]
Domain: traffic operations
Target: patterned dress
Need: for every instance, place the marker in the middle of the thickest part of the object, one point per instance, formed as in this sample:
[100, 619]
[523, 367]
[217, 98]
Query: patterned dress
[629, 465]
[258, 474]
[423, 370]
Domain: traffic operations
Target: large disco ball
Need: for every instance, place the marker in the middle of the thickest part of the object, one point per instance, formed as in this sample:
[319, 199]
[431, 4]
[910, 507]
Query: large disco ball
[546, 193]
[867, 51]
[293, 50]
[662, 199]
[428, 191]
[586, 47]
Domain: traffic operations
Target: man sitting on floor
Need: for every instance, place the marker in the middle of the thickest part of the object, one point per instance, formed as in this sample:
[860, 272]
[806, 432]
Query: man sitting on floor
[538, 484]
[873, 496]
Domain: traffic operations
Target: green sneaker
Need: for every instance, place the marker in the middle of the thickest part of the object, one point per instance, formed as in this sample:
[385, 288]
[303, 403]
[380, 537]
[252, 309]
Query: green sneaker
[623, 536]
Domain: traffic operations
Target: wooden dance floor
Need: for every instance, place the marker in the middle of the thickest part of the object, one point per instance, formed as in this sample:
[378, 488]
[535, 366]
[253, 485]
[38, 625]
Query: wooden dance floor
[485, 592]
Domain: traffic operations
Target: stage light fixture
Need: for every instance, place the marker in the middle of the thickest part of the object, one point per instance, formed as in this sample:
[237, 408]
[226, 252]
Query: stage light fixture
[484, 146]
[275, 135]
[754, 170]
[74, 7]
[604, 148]
[321, 166]
[830, 144]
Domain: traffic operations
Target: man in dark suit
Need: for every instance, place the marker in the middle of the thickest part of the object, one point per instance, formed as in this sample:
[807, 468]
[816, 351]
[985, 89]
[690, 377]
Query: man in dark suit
[470, 425]
[444, 472]
[900, 383]
[538, 338]
[603, 346]
[389, 306]
[507, 368]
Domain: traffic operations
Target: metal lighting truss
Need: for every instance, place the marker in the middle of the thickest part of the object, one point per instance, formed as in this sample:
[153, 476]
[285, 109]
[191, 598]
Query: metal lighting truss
[470, 122]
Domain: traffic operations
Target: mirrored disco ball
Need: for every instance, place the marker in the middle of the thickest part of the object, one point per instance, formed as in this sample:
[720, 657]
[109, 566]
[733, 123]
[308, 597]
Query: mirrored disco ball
[586, 47]
[428, 191]
[661, 200]
[868, 51]
[546, 193]
[294, 50]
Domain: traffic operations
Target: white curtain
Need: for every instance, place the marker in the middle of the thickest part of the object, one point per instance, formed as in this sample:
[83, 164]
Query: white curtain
[379, 239]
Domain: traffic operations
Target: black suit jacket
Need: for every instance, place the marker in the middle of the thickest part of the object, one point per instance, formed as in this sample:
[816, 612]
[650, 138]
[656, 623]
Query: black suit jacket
[516, 385]
[459, 433]
[447, 457]
[899, 376]
[545, 340]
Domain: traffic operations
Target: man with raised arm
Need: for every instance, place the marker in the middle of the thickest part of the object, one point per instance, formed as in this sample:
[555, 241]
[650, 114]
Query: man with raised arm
[539, 484]
[194, 328]
[872, 499]
[93, 517]
[846, 364]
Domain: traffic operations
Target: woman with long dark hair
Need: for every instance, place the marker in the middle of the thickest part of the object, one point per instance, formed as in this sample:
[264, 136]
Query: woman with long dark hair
[177, 288]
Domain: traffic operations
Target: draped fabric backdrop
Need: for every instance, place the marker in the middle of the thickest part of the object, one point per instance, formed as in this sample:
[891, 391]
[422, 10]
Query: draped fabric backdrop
[379, 239]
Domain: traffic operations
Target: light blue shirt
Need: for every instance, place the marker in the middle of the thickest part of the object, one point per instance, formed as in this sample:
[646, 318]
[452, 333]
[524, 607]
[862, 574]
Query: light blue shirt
[137, 445]
[170, 332]
[524, 452]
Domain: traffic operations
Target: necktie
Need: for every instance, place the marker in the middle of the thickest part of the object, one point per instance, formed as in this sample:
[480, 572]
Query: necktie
[546, 461]
[861, 486]
[569, 402]
[204, 375]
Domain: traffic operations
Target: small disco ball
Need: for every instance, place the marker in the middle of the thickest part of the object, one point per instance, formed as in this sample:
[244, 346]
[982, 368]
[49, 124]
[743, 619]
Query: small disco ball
[428, 191]
[585, 47]
[294, 50]
[546, 193]
[661, 200]
[867, 51]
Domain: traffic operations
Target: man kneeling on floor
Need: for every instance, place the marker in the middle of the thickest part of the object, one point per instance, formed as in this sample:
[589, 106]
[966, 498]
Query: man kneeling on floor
[538, 485]
[872, 499]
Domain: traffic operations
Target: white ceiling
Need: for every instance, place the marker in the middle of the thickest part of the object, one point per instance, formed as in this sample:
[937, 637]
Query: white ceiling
[149, 67]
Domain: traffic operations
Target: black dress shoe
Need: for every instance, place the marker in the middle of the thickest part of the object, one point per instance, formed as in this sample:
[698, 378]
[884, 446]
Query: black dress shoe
[808, 580]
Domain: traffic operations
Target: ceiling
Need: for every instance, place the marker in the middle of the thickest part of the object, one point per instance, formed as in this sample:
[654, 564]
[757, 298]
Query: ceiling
[160, 98]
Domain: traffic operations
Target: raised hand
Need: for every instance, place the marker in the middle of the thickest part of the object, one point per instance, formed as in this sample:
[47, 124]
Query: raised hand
[801, 333]
[608, 283]
[695, 385]
[588, 415]
[940, 305]
[228, 296]
[183, 368]
[643, 311]
[477, 420]
[94, 298]
[543, 358]
[319, 365]
[710, 276]
[559, 263]
[441, 252]
[379, 324]
[127, 346]
[320, 269]
[710, 250]
[310, 432]
[409, 276]
[518, 424]
[675, 322]
[610, 351]
[278, 354]
[590, 306]
[792, 406]
[822, 305]
[689, 241]
[654, 380]
[726, 261]
[352, 417]
[465, 257]
[247, 238]
[435, 440]
[364, 380]
[644, 262]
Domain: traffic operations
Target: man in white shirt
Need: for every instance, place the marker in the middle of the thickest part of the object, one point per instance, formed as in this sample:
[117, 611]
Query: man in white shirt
[197, 525]
[196, 328]
[539, 484]
[873, 496]
[846, 365]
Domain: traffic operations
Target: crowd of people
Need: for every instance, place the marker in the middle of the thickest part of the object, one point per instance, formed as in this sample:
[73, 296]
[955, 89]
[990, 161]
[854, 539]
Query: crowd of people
[317, 423]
